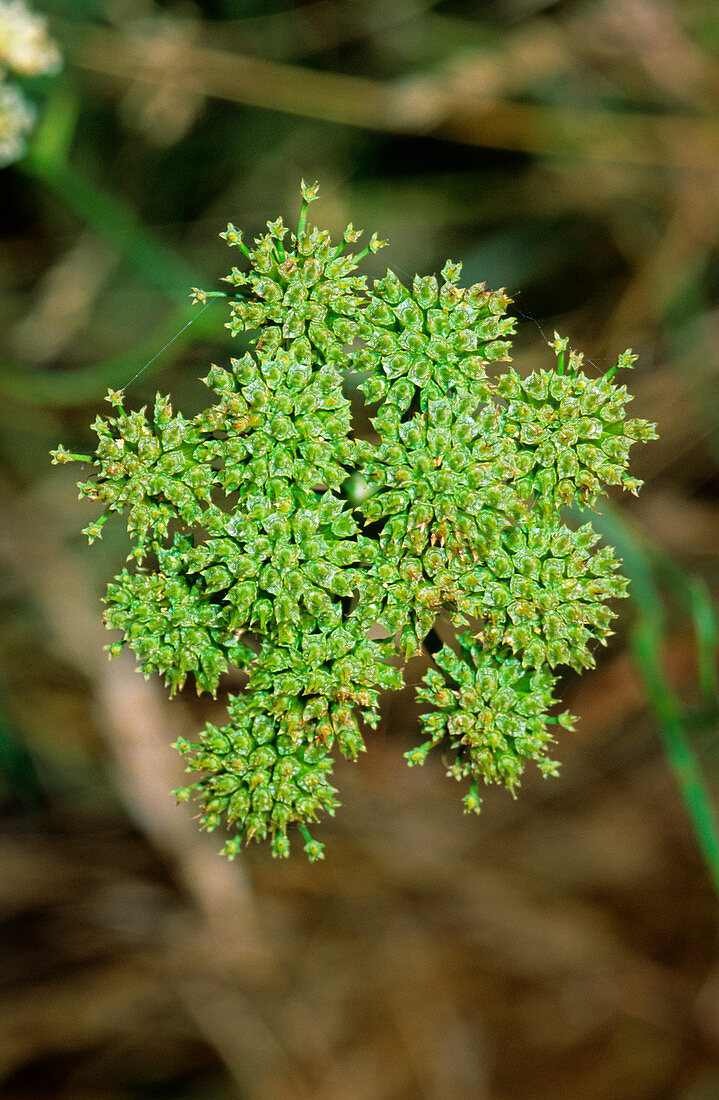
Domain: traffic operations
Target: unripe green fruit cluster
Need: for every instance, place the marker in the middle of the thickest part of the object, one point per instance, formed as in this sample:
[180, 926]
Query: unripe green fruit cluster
[268, 536]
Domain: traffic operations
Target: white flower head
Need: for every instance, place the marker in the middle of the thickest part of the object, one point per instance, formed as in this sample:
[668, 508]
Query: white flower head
[25, 45]
[17, 118]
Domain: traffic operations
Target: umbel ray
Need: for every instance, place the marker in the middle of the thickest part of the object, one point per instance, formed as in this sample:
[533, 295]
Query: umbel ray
[270, 536]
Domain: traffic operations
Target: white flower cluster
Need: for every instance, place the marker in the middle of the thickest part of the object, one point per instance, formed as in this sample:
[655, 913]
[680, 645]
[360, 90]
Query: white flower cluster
[17, 118]
[27, 50]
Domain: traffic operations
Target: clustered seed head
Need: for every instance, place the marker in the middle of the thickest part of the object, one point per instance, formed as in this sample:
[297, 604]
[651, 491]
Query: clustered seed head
[269, 537]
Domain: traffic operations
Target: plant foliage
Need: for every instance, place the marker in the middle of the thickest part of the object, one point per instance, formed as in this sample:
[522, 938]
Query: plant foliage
[268, 536]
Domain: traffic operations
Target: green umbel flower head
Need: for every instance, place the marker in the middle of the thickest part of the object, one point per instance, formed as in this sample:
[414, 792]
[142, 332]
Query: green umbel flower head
[268, 536]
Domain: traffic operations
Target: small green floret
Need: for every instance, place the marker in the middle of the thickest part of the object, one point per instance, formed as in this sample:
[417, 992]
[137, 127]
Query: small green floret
[269, 537]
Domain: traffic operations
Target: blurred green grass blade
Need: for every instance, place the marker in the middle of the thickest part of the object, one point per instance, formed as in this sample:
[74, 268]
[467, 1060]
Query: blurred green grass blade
[161, 266]
[646, 640]
[47, 161]
[705, 624]
[668, 712]
[55, 131]
[57, 390]
[696, 598]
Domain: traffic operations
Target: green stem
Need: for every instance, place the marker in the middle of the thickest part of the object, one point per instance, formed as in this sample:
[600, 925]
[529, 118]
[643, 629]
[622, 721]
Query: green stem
[303, 218]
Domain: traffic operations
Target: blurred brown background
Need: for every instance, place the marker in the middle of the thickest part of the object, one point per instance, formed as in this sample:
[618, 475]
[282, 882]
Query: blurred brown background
[561, 945]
